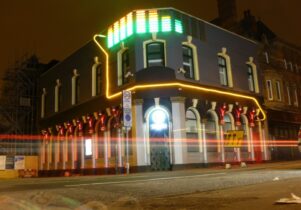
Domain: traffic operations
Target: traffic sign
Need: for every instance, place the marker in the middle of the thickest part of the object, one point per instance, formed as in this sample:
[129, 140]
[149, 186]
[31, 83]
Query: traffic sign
[127, 108]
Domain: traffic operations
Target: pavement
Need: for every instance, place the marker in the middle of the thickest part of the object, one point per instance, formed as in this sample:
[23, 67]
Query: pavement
[256, 187]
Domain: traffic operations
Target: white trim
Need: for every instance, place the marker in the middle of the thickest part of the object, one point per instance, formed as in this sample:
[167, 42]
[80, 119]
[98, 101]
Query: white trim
[73, 83]
[56, 95]
[43, 99]
[198, 124]
[119, 64]
[195, 57]
[278, 90]
[145, 53]
[224, 54]
[94, 76]
[254, 72]
[269, 87]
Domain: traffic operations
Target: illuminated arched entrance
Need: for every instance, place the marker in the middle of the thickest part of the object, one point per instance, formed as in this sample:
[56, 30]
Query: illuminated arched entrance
[158, 128]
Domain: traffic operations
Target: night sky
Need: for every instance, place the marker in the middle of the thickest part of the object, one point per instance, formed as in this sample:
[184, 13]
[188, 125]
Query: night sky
[53, 29]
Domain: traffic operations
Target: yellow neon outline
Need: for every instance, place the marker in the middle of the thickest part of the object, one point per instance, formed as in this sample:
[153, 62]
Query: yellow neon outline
[172, 84]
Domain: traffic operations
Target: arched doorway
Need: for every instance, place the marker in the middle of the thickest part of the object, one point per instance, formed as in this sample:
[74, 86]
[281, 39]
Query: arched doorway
[158, 125]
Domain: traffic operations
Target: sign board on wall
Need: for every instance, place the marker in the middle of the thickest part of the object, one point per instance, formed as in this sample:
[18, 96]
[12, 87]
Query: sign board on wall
[2, 162]
[10, 162]
[127, 108]
[19, 162]
[234, 138]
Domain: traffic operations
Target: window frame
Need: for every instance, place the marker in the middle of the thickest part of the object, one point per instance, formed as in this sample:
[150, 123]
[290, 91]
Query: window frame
[191, 73]
[269, 87]
[251, 78]
[224, 72]
[145, 54]
[278, 90]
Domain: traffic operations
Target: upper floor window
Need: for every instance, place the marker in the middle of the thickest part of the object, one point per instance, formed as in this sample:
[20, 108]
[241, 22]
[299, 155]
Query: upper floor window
[75, 87]
[96, 77]
[43, 103]
[278, 90]
[155, 54]
[269, 89]
[57, 96]
[288, 95]
[224, 66]
[252, 76]
[188, 63]
[296, 103]
[123, 66]
[223, 76]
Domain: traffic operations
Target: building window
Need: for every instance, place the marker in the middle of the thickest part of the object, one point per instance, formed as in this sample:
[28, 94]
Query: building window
[211, 133]
[225, 70]
[192, 136]
[96, 77]
[123, 66]
[43, 103]
[288, 95]
[278, 90]
[188, 63]
[57, 96]
[251, 81]
[222, 71]
[155, 54]
[252, 75]
[296, 103]
[75, 87]
[269, 89]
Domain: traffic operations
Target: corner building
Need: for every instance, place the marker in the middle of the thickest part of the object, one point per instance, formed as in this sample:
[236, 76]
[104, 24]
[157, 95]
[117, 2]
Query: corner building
[193, 85]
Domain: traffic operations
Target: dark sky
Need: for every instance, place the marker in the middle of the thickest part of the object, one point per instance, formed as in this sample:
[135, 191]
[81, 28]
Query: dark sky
[56, 28]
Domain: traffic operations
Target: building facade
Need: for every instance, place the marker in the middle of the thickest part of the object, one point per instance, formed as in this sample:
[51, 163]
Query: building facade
[280, 64]
[194, 87]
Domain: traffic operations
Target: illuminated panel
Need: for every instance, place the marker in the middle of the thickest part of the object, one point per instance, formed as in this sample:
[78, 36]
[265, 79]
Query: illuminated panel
[178, 26]
[153, 21]
[122, 29]
[110, 37]
[116, 32]
[129, 24]
[166, 24]
[140, 22]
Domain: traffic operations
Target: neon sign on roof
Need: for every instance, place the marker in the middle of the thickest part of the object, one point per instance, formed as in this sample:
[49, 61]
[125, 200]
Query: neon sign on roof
[140, 22]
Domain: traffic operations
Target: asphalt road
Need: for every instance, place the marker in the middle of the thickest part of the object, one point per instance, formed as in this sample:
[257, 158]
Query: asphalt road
[142, 191]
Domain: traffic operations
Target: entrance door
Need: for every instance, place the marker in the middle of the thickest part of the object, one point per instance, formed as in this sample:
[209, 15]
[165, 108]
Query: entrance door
[159, 140]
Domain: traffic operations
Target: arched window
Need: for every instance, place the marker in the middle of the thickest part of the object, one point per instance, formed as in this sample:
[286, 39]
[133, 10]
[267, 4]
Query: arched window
[227, 127]
[188, 62]
[211, 134]
[192, 131]
[155, 54]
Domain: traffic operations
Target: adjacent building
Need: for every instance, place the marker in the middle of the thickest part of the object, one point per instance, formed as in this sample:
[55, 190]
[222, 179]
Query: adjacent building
[280, 64]
[196, 97]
